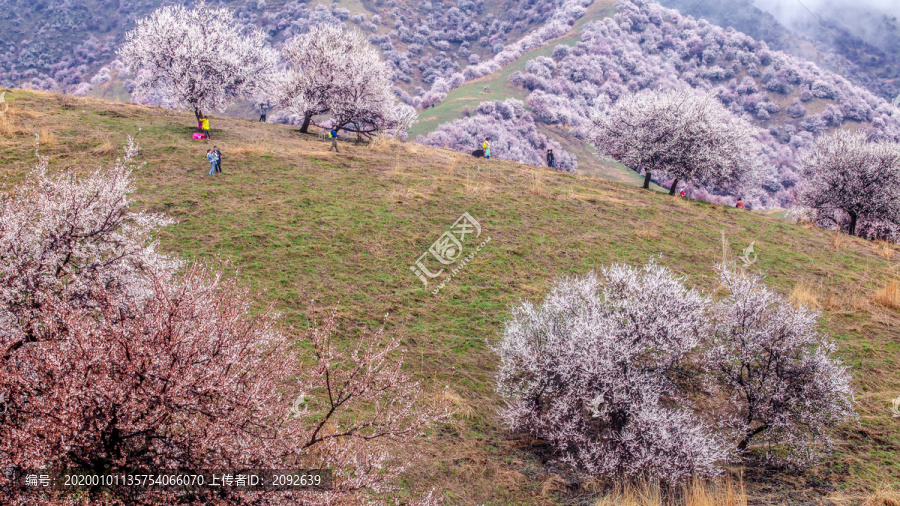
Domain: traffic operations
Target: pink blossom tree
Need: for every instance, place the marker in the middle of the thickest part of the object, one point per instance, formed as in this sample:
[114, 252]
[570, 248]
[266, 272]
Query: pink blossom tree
[115, 357]
[637, 375]
[775, 369]
[337, 71]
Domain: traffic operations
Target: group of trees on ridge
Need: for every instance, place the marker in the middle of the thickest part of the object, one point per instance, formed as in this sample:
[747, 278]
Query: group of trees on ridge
[330, 70]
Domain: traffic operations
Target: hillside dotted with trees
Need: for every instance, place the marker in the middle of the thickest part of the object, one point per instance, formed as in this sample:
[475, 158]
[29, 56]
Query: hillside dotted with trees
[128, 341]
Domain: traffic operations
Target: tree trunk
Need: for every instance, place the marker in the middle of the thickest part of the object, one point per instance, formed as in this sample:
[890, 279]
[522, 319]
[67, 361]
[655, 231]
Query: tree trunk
[747, 437]
[674, 185]
[306, 121]
[647, 181]
[198, 113]
[852, 223]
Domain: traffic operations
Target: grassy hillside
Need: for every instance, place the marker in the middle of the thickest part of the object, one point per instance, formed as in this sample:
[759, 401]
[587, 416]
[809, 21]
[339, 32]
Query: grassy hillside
[496, 86]
[313, 230]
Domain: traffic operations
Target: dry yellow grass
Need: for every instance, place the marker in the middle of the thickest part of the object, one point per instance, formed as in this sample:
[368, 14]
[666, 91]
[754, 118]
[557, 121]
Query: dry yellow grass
[804, 295]
[697, 493]
[105, 149]
[47, 137]
[537, 185]
[650, 231]
[7, 128]
[384, 143]
[461, 407]
[889, 295]
[883, 249]
[883, 497]
[250, 150]
[553, 485]
[838, 240]
[475, 184]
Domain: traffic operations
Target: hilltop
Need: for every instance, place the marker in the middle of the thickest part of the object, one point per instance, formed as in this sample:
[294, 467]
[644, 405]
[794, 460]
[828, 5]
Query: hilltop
[311, 230]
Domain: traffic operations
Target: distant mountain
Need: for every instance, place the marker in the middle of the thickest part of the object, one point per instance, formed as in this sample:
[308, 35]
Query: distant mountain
[644, 45]
[860, 40]
[62, 45]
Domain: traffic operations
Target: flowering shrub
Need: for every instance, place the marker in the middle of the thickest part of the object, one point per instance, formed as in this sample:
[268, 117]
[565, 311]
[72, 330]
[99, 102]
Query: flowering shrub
[594, 370]
[776, 370]
[637, 375]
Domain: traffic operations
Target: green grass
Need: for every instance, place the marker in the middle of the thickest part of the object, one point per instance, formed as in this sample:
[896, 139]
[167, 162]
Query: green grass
[311, 230]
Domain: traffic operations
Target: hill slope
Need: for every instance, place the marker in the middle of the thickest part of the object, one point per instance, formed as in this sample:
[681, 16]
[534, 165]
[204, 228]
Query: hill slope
[314, 230]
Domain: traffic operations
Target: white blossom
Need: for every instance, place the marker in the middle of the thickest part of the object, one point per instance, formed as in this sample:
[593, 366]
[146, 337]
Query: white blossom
[679, 134]
[594, 370]
[851, 180]
[200, 58]
[776, 369]
[337, 71]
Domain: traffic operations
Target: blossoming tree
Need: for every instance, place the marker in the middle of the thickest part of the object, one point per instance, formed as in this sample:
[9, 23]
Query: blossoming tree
[200, 58]
[679, 134]
[337, 71]
[850, 179]
[114, 357]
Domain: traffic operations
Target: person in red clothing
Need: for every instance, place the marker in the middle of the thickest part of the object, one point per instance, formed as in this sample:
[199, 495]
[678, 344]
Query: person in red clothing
[682, 192]
[740, 203]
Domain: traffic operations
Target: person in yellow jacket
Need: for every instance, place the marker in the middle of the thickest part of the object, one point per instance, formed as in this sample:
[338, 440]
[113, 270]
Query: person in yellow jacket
[205, 124]
[486, 146]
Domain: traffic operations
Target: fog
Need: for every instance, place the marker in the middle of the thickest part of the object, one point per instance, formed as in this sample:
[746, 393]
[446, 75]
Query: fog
[863, 18]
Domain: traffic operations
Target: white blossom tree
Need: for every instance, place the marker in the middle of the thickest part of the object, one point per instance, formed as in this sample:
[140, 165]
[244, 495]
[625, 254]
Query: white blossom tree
[595, 370]
[678, 134]
[776, 369]
[337, 71]
[850, 179]
[200, 58]
[638, 376]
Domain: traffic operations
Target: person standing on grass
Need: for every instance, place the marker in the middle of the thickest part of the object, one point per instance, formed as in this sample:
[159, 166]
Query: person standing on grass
[263, 109]
[333, 135]
[211, 156]
[740, 203]
[486, 146]
[204, 125]
[551, 160]
[218, 159]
